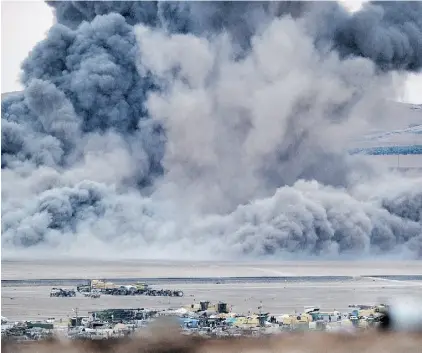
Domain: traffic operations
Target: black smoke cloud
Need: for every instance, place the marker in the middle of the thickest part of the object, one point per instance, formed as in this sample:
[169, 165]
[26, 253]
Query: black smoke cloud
[182, 17]
[162, 128]
[387, 32]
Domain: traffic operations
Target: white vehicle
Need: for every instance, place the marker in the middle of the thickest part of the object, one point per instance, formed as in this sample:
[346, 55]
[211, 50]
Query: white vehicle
[311, 309]
[94, 294]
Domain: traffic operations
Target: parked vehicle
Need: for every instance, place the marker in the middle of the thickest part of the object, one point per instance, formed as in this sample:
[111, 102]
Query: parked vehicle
[94, 294]
[83, 288]
[60, 292]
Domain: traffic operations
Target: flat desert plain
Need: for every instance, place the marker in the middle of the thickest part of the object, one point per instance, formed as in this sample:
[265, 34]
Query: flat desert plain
[281, 287]
[85, 268]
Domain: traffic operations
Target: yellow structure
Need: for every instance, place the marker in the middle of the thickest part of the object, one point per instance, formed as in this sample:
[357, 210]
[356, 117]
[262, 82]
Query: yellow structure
[246, 321]
[193, 307]
[367, 312]
[296, 319]
[99, 284]
[141, 286]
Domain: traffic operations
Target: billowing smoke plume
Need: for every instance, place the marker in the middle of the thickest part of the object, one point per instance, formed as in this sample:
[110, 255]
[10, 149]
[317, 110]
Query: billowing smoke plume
[389, 33]
[160, 129]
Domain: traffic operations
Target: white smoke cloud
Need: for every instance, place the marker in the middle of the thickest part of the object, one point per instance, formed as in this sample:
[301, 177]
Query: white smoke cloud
[227, 120]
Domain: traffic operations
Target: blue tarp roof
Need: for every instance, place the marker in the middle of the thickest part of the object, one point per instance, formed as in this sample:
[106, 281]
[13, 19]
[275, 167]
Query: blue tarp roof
[389, 150]
[188, 320]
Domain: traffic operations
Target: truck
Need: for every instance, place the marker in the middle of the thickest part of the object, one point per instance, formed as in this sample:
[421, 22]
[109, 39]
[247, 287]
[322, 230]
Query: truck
[60, 292]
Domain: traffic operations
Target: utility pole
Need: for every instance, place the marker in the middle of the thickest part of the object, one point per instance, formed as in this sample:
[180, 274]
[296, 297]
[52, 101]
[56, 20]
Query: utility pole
[76, 315]
[260, 314]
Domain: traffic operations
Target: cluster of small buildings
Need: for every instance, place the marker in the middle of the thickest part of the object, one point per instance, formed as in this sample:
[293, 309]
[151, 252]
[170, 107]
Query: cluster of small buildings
[203, 318]
[218, 319]
[27, 330]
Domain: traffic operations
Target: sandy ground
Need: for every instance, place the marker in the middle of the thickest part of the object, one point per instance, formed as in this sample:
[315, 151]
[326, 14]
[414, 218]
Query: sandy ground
[290, 343]
[34, 302]
[44, 269]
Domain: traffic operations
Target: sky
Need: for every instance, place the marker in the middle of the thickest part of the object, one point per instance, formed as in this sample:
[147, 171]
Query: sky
[24, 23]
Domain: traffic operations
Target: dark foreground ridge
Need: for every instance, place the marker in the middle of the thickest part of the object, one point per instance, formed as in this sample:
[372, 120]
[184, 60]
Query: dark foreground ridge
[300, 342]
[217, 280]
